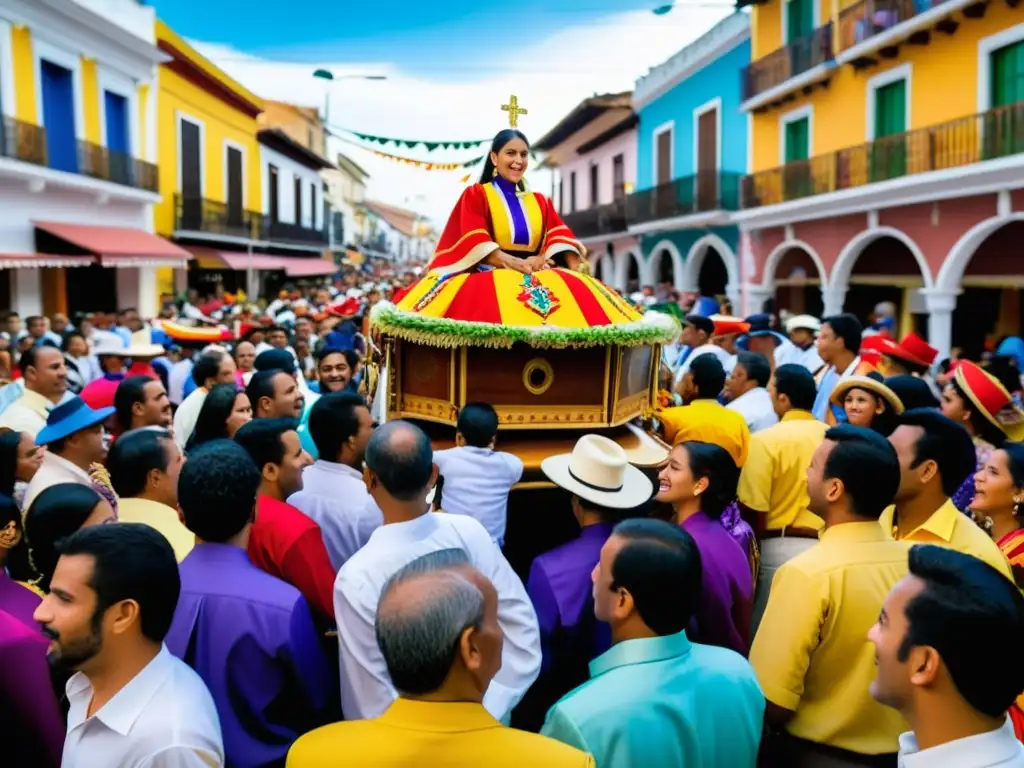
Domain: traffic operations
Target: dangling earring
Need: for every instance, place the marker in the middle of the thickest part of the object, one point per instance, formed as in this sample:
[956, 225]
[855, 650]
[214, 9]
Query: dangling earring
[696, 492]
[494, 173]
[1016, 505]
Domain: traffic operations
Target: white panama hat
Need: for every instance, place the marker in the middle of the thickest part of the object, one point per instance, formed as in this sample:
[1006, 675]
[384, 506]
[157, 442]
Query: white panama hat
[599, 471]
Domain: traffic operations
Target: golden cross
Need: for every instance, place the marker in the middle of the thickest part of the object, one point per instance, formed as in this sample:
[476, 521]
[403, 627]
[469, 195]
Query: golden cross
[514, 111]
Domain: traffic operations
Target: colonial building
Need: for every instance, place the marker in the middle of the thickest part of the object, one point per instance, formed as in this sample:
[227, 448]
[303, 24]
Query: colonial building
[396, 233]
[346, 191]
[887, 158]
[78, 147]
[593, 150]
[691, 155]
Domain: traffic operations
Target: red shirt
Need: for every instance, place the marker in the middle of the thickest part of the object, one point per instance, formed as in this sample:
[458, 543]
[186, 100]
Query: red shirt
[287, 544]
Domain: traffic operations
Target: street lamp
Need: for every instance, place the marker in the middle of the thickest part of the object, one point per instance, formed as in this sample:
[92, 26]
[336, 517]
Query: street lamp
[326, 74]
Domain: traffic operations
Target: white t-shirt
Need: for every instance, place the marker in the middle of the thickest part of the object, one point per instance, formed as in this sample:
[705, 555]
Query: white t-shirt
[477, 482]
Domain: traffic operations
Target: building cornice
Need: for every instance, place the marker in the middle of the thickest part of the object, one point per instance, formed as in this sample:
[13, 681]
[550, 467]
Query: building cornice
[717, 41]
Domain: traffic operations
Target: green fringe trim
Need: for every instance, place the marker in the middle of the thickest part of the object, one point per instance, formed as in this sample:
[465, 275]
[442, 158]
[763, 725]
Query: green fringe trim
[654, 328]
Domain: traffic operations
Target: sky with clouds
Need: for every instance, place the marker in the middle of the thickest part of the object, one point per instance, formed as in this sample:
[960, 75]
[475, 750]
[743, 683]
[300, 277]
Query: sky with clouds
[449, 67]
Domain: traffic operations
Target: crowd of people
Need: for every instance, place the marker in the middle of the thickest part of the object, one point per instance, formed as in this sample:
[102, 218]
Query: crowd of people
[223, 554]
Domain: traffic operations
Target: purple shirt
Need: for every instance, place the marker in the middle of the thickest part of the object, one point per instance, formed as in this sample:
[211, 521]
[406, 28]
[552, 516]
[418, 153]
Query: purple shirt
[723, 616]
[19, 601]
[251, 638]
[31, 723]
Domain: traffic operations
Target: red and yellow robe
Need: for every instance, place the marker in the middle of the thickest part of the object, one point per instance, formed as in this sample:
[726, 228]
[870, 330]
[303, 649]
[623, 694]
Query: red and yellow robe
[497, 215]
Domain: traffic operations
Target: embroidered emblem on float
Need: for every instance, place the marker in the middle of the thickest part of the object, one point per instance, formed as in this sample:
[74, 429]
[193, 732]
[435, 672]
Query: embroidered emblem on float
[537, 297]
[431, 294]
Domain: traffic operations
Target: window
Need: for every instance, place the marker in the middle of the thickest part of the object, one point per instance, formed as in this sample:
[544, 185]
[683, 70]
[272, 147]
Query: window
[798, 140]
[1004, 125]
[58, 93]
[663, 156]
[889, 155]
[1007, 75]
[273, 194]
[796, 149]
[618, 177]
[572, 192]
[235, 187]
[191, 164]
[115, 111]
[312, 205]
[594, 196]
[298, 200]
[799, 19]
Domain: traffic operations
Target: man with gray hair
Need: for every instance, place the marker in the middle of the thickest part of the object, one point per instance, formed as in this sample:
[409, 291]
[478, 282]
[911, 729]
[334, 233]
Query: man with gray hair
[440, 637]
[400, 473]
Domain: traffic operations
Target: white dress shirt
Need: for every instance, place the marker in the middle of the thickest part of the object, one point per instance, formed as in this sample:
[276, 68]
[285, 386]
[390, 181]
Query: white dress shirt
[986, 750]
[163, 718]
[704, 349]
[187, 415]
[179, 374]
[53, 471]
[756, 407]
[808, 358]
[334, 496]
[477, 482]
[366, 689]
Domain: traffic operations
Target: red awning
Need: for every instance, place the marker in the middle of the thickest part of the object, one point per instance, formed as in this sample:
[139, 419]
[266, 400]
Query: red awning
[119, 246]
[37, 260]
[306, 267]
[211, 258]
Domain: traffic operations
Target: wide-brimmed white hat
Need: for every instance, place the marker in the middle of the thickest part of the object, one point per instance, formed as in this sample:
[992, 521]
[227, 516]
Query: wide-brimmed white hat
[599, 471]
[110, 344]
[803, 322]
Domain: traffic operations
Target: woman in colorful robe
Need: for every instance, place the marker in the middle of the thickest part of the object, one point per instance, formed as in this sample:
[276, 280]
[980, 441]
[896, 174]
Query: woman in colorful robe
[498, 224]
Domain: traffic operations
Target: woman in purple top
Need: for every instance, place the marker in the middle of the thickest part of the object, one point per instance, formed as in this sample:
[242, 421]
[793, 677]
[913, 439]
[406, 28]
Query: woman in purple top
[19, 460]
[699, 481]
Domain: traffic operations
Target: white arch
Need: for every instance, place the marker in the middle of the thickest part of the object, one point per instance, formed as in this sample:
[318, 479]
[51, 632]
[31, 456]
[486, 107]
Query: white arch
[842, 269]
[622, 268]
[654, 261]
[963, 250]
[695, 261]
[771, 264]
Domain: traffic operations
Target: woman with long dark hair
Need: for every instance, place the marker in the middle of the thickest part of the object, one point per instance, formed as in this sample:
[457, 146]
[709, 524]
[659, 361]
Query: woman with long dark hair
[225, 409]
[498, 223]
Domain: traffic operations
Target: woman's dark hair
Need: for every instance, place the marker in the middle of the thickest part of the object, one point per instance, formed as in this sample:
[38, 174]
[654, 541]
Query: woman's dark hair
[9, 441]
[982, 427]
[55, 514]
[70, 336]
[503, 138]
[1015, 454]
[885, 422]
[912, 391]
[1004, 368]
[211, 423]
[713, 462]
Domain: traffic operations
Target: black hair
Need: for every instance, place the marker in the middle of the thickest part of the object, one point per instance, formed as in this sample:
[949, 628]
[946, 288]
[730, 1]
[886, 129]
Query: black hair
[131, 561]
[211, 424]
[1004, 369]
[217, 490]
[848, 328]
[868, 467]
[708, 376]
[797, 383]
[29, 357]
[982, 427]
[1015, 456]
[946, 443]
[263, 439]
[333, 419]
[70, 336]
[657, 553]
[262, 385]
[57, 512]
[713, 462]
[130, 391]
[9, 442]
[913, 391]
[963, 599]
[910, 365]
[500, 140]
[757, 367]
[206, 367]
[326, 351]
[478, 424]
[403, 472]
[133, 456]
[273, 359]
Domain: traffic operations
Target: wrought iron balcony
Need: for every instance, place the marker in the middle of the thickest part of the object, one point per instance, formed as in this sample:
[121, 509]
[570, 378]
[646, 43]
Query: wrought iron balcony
[793, 59]
[985, 136]
[197, 214]
[864, 19]
[293, 233]
[701, 193]
[118, 167]
[599, 220]
[23, 141]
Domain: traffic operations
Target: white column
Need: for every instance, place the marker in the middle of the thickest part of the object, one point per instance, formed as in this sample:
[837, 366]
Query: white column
[833, 298]
[940, 306]
[27, 291]
[147, 297]
[756, 295]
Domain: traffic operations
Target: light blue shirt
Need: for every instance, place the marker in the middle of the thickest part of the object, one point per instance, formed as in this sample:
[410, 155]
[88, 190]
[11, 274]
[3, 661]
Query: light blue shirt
[477, 482]
[664, 702]
[304, 437]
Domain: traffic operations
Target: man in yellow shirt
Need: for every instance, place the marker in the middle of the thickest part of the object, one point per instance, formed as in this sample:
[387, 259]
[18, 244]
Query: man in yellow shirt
[773, 483]
[811, 653]
[936, 454]
[437, 628]
[144, 465]
[703, 418]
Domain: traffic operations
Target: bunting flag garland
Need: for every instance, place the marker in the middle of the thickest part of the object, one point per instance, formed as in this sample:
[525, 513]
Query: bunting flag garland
[427, 165]
[413, 143]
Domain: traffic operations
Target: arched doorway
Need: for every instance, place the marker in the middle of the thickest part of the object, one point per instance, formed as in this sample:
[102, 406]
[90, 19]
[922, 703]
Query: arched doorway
[598, 269]
[627, 272]
[662, 269]
[797, 284]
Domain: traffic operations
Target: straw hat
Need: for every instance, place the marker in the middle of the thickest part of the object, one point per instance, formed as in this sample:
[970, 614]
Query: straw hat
[873, 386]
[803, 322]
[599, 471]
[990, 398]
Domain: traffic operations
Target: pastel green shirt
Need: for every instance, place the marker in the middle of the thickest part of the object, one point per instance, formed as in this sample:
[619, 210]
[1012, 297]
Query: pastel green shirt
[664, 702]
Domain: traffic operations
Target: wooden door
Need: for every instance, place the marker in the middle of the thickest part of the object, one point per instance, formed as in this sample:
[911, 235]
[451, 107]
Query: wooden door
[707, 160]
[298, 201]
[664, 157]
[235, 191]
[272, 195]
[191, 177]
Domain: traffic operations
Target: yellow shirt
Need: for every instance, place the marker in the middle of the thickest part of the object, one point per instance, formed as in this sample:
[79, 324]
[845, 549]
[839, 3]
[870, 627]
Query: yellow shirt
[707, 421]
[453, 735]
[949, 527]
[161, 517]
[811, 653]
[774, 479]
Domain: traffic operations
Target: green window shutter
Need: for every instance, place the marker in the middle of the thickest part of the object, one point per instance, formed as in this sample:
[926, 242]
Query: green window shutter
[798, 140]
[891, 109]
[800, 19]
[1007, 67]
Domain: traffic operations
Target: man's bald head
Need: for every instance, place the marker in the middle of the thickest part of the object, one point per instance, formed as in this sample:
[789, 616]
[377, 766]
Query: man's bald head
[400, 455]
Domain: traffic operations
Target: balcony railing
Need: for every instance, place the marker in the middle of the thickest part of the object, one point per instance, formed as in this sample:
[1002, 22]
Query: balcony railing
[599, 220]
[23, 141]
[296, 233]
[985, 136]
[867, 18]
[793, 59]
[197, 214]
[118, 167]
[706, 191]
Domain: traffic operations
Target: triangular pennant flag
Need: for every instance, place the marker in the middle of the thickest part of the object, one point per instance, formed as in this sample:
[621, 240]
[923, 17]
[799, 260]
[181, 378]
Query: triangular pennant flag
[431, 145]
[410, 143]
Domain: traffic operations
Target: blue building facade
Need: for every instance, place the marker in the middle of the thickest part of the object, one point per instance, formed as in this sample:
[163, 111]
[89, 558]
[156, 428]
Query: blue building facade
[692, 152]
